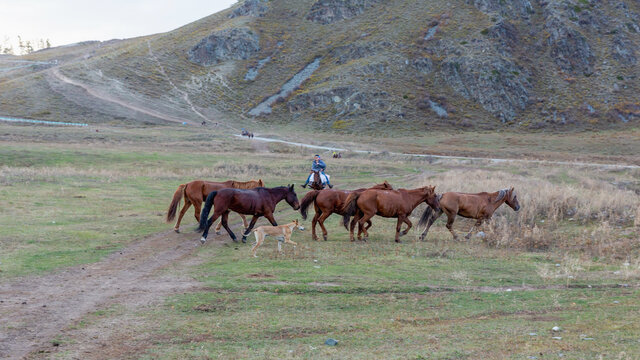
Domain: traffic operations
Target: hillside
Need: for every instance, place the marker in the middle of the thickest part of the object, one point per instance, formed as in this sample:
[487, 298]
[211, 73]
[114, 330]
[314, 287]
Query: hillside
[353, 65]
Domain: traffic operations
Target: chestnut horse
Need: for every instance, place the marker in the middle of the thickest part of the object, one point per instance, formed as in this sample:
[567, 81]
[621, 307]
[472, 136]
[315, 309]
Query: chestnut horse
[480, 206]
[196, 192]
[258, 202]
[327, 202]
[386, 203]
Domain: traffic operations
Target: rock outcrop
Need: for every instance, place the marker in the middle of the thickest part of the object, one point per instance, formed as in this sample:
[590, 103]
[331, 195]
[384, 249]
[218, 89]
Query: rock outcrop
[255, 8]
[509, 8]
[341, 101]
[498, 84]
[229, 44]
[330, 11]
[569, 49]
[623, 50]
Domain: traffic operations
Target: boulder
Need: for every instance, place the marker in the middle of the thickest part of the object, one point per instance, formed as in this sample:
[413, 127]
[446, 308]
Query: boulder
[330, 11]
[255, 8]
[229, 44]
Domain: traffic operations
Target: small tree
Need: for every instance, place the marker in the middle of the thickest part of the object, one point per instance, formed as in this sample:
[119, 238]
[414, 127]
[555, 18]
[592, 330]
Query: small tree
[21, 46]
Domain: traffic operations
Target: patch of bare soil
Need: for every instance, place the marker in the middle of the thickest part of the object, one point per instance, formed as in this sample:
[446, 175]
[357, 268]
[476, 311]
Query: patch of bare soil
[38, 310]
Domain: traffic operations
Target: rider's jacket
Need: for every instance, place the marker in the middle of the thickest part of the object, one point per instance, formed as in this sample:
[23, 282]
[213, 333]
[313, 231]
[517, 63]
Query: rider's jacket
[320, 166]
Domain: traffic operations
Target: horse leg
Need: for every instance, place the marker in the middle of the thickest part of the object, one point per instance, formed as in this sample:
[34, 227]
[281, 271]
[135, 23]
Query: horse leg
[432, 219]
[210, 222]
[251, 225]
[313, 226]
[450, 218]
[245, 224]
[187, 205]
[218, 227]
[477, 224]
[369, 223]
[409, 225]
[398, 226]
[271, 219]
[352, 227]
[361, 222]
[321, 220]
[225, 223]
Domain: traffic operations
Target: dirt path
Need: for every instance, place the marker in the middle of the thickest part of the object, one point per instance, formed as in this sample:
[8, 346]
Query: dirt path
[434, 156]
[34, 310]
[102, 96]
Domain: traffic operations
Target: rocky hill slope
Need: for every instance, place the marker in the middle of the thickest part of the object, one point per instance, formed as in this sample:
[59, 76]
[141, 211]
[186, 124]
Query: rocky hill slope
[354, 65]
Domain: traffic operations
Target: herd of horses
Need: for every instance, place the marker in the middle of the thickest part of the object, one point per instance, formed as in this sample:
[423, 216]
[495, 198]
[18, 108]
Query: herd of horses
[356, 207]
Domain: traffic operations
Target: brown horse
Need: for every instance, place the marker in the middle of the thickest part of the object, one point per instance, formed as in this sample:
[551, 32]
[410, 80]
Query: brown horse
[196, 192]
[386, 203]
[327, 202]
[480, 206]
[317, 181]
[258, 202]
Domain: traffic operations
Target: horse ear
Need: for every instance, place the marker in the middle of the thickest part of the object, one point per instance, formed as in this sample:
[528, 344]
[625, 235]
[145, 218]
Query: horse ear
[291, 187]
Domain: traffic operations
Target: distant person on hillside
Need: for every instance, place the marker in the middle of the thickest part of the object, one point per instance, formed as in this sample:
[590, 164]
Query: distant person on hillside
[320, 166]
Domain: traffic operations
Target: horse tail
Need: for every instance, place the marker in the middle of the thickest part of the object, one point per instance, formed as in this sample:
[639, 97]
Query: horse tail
[205, 210]
[426, 215]
[177, 196]
[306, 201]
[350, 208]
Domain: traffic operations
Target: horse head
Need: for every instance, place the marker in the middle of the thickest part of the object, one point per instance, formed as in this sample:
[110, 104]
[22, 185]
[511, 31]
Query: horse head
[512, 199]
[291, 198]
[431, 197]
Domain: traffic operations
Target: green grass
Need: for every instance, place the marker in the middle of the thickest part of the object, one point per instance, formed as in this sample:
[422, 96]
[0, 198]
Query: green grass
[69, 200]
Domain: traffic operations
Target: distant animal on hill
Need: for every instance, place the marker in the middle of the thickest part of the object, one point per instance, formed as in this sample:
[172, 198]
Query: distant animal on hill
[280, 232]
[479, 206]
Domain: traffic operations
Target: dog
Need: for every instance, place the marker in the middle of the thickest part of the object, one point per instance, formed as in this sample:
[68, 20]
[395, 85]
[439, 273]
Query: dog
[281, 232]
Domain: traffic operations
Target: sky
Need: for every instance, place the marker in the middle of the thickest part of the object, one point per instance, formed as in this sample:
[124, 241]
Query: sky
[70, 21]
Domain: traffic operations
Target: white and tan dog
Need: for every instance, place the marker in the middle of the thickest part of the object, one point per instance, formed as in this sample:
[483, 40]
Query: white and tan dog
[281, 232]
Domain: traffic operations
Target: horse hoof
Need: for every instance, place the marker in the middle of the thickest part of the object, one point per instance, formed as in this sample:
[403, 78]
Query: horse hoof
[234, 239]
[177, 231]
[203, 240]
[218, 232]
[244, 239]
[398, 241]
[325, 238]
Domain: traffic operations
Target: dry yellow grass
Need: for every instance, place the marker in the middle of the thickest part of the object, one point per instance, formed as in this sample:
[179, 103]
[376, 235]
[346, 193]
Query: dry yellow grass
[554, 201]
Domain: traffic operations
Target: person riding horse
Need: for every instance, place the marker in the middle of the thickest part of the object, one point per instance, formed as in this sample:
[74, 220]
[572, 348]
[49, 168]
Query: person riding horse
[320, 166]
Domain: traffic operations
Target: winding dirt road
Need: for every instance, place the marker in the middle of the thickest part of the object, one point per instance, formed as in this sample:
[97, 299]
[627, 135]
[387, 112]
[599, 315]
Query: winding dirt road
[35, 310]
[106, 97]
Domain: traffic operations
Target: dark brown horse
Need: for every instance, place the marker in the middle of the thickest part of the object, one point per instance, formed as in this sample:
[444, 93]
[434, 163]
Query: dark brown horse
[480, 206]
[257, 202]
[327, 202]
[196, 192]
[386, 203]
[317, 181]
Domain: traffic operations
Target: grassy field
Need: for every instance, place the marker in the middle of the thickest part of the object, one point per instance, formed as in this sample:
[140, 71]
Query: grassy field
[569, 258]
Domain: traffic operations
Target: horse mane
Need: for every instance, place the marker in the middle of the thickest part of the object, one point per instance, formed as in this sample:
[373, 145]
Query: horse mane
[246, 184]
[501, 194]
